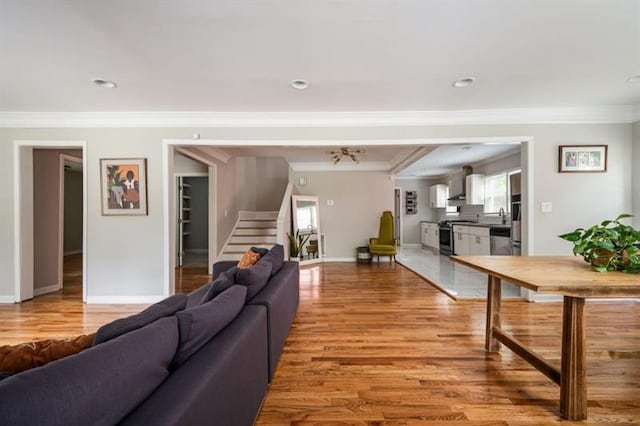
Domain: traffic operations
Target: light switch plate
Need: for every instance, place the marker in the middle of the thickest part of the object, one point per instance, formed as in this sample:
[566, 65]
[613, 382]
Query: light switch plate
[546, 207]
[329, 202]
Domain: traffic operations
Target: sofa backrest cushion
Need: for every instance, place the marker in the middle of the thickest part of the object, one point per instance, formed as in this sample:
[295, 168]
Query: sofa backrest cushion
[195, 297]
[164, 308]
[201, 323]
[224, 281]
[261, 251]
[98, 386]
[254, 278]
[275, 257]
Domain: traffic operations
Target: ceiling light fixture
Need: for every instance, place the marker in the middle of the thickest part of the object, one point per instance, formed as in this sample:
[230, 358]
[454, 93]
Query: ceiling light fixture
[464, 82]
[105, 83]
[336, 156]
[300, 84]
[634, 79]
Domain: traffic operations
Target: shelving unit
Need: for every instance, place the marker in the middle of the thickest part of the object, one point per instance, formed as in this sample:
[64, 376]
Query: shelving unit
[184, 218]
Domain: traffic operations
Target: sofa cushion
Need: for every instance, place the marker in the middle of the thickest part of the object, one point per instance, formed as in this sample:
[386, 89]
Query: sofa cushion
[225, 281]
[5, 374]
[24, 356]
[98, 386]
[249, 258]
[254, 278]
[195, 297]
[261, 251]
[199, 324]
[164, 308]
[275, 257]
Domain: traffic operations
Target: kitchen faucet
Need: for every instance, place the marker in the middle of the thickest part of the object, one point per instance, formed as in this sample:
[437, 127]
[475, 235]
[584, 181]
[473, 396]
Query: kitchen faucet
[503, 215]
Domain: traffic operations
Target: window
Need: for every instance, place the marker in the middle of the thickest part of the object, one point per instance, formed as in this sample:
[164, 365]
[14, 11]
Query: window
[496, 192]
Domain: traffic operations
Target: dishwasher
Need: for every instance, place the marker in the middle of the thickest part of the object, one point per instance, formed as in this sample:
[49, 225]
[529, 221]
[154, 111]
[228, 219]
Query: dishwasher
[500, 241]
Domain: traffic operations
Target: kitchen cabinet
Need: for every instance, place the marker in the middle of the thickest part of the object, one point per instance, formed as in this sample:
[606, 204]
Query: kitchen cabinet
[438, 195]
[430, 235]
[475, 189]
[479, 241]
[471, 240]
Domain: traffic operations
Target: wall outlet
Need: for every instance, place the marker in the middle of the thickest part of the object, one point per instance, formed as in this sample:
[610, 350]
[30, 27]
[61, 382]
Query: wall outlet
[546, 207]
[330, 202]
[225, 212]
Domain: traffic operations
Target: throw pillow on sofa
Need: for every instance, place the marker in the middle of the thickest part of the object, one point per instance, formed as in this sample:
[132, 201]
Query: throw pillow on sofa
[199, 324]
[249, 258]
[164, 308]
[254, 278]
[98, 386]
[225, 281]
[275, 257]
[261, 251]
[22, 357]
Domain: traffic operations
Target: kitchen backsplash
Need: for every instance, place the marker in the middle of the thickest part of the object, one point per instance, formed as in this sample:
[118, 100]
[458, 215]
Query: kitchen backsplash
[474, 213]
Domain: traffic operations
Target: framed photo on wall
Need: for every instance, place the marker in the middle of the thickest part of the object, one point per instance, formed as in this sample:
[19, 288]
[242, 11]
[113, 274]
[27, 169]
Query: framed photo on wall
[123, 183]
[582, 158]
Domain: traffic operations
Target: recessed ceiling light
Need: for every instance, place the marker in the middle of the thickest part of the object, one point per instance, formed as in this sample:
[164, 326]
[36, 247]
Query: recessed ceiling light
[105, 83]
[300, 84]
[634, 79]
[466, 147]
[464, 82]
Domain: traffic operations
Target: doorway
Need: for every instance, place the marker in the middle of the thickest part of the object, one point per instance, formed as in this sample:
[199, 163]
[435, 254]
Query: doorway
[192, 220]
[38, 211]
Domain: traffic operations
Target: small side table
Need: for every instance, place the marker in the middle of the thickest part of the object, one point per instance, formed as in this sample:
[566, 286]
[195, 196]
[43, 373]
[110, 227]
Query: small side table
[363, 255]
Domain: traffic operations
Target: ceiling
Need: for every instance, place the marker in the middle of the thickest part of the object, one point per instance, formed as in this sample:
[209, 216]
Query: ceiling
[359, 56]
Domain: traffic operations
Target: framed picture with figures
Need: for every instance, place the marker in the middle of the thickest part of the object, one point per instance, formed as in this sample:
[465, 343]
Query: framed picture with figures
[123, 186]
[582, 158]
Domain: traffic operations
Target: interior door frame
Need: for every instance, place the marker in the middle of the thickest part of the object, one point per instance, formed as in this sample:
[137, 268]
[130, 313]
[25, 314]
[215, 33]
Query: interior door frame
[23, 212]
[176, 202]
[397, 207]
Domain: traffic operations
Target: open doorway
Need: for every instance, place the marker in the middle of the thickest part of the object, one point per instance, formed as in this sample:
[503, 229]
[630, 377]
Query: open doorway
[39, 186]
[192, 215]
[70, 240]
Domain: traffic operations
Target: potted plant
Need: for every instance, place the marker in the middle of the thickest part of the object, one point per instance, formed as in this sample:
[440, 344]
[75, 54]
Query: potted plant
[609, 246]
[296, 242]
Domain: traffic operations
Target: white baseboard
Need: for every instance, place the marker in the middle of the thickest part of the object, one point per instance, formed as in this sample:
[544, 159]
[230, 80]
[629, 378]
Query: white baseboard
[7, 299]
[123, 300]
[44, 290]
[339, 259]
[69, 253]
[412, 245]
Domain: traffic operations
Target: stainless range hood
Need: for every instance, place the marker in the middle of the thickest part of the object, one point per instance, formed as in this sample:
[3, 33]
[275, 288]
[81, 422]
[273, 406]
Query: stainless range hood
[458, 185]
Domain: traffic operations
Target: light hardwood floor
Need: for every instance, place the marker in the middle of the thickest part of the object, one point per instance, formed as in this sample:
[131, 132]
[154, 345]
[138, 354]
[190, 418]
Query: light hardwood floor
[377, 345]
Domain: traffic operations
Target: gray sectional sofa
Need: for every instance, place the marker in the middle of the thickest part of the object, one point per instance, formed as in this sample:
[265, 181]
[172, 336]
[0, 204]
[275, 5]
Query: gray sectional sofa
[208, 362]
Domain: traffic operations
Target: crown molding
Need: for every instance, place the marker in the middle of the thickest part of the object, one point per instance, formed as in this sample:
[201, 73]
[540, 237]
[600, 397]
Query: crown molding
[601, 114]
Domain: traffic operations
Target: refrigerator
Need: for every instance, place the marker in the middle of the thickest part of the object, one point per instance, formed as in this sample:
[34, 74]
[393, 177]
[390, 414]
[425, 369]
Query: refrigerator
[515, 198]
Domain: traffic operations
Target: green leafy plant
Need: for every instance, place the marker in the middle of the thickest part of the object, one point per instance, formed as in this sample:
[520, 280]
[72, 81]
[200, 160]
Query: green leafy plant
[609, 246]
[296, 242]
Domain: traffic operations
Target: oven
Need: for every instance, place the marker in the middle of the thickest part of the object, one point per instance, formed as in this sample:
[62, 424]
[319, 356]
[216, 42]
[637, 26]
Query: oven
[446, 238]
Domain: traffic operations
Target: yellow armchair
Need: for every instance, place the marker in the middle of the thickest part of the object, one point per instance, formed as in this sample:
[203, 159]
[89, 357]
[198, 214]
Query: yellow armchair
[385, 244]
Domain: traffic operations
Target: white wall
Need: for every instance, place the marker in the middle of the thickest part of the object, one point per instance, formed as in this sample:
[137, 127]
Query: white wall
[261, 182]
[359, 200]
[125, 254]
[182, 164]
[411, 222]
[636, 174]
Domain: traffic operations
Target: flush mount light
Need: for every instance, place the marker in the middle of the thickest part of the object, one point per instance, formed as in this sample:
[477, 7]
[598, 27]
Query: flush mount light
[105, 83]
[466, 147]
[634, 79]
[300, 84]
[464, 82]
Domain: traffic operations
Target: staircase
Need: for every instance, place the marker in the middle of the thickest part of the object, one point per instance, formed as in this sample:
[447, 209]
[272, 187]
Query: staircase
[254, 229]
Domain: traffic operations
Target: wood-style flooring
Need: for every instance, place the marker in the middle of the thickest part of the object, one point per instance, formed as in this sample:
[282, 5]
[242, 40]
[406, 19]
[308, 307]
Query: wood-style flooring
[375, 344]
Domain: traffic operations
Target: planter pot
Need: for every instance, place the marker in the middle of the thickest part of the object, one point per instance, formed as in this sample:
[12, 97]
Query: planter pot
[601, 257]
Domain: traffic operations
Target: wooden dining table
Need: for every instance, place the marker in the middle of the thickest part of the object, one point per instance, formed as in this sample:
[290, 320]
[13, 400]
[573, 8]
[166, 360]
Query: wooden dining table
[575, 281]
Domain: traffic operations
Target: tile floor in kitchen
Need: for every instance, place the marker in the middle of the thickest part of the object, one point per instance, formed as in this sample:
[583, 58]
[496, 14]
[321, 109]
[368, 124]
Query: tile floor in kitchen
[454, 279]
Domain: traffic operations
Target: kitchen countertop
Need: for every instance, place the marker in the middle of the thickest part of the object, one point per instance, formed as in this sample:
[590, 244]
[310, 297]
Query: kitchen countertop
[483, 225]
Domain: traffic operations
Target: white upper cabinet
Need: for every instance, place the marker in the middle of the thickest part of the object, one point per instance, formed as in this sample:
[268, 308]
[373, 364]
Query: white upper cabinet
[438, 195]
[475, 189]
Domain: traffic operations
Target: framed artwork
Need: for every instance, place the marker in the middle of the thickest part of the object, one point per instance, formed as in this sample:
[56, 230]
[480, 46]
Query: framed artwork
[123, 183]
[582, 158]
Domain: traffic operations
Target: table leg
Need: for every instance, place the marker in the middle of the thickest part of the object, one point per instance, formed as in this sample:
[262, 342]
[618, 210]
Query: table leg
[573, 383]
[494, 295]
